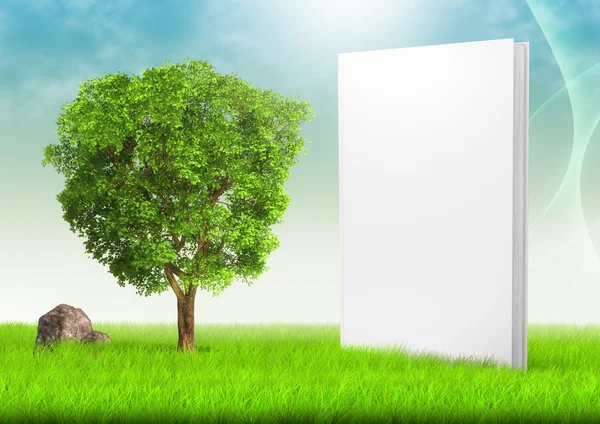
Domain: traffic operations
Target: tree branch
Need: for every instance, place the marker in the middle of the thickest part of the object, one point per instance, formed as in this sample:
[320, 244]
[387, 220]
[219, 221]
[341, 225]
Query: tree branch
[205, 248]
[173, 283]
[278, 133]
[191, 292]
[220, 247]
[202, 241]
[215, 196]
[162, 165]
[111, 153]
[181, 244]
[119, 183]
[147, 170]
[173, 269]
[132, 142]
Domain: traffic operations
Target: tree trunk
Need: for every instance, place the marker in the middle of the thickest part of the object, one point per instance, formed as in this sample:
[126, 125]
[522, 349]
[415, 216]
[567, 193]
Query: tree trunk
[185, 323]
[185, 310]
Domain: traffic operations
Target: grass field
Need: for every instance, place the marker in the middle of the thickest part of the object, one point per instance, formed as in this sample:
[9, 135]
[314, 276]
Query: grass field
[289, 373]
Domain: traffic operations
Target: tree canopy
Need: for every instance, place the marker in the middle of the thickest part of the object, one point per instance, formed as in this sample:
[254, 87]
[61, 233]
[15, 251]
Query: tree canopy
[178, 172]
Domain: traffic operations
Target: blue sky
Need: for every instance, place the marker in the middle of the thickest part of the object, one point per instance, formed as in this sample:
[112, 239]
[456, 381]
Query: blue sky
[47, 47]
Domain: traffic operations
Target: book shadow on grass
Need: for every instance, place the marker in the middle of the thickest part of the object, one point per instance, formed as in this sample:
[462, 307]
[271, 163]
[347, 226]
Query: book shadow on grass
[429, 358]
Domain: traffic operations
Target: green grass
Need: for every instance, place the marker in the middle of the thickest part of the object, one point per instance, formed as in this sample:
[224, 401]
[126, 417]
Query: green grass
[289, 373]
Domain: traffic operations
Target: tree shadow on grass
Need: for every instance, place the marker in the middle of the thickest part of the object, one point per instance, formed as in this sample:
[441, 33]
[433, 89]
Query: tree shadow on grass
[162, 347]
[63, 346]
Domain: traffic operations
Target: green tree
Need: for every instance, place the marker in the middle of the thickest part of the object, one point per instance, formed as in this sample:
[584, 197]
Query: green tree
[175, 177]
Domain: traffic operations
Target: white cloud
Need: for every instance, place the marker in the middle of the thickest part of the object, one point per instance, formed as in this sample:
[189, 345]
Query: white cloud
[79, 5]
[120, 48]
[37, 99]
[105, 21]
[5, 26]
[562, 23]
[3, 22]
[592, 9]
[36, 5]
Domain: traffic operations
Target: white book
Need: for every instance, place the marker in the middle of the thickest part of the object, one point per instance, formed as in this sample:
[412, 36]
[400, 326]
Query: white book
[433, 146]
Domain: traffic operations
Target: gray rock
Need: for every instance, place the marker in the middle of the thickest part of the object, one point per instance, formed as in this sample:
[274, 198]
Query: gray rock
[97, 336]
[66, 323]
